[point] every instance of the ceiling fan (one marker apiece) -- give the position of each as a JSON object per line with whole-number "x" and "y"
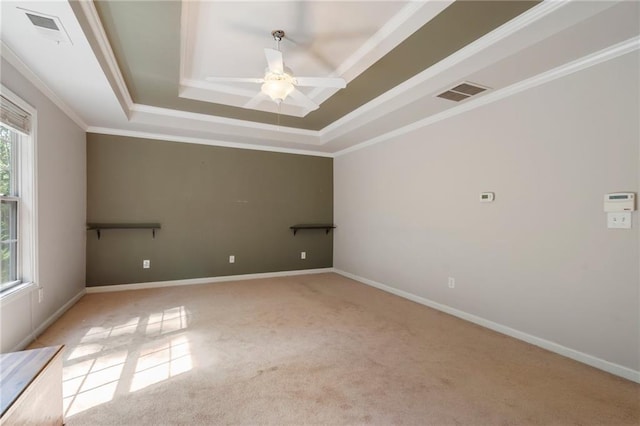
{"x": 279, "y": 83}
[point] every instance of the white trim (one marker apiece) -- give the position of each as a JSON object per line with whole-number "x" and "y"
{"x": 198, "y": 281}
{"x": 93, "y": 19}
{"x": 28, "y": 268}
{"x": 29, "y": 197}
{"x": 202, "y": 141}
{"x": 596, "y": 58}
{"x": 215, "y": 87}
{"x": 339, "y": 127}
{"x": 22, "y": 68}
{"x": 13, "y": 293}
{"x": 221, "y": 120}
{"x": 408, "y": 20}
{"x": 582, "y": 357}
{"x": 57, "y": 314}
{"x": 484, "y": 42}
{"x": 394, "y": 32}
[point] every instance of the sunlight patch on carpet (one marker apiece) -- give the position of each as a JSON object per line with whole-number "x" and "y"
{"x": 91, "y": 382}
{"x": 110, "y": 362}
{"x": 161, "y": 362}
{"x": 167, "y": 321}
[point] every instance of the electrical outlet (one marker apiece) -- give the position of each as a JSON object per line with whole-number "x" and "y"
{"x": 40, "y": 295}
{"x": 146, "y": 264}
{"x": 303, "y": 255}
{"x": 451, "y": 282}
{"x": 232, "y": 259}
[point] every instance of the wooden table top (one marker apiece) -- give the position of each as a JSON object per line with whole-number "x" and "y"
{"x": 19, "y": 369}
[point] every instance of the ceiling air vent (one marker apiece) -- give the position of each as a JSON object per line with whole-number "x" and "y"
{"x": 48, "y": 26}
{"x": 462, "y": 91}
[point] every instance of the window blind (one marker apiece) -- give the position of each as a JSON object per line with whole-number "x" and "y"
{"x": 14, "y": 116}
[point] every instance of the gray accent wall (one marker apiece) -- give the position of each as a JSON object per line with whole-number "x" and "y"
{"x": 212, "y": 202}
{"x": 539, "y": 259}
{"x": 61, "y": 212}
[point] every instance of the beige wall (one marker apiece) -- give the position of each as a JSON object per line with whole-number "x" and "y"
{"x": 539, "y": 259}
{"x": 212, "y": 202}
{"x": 61, "y": 187}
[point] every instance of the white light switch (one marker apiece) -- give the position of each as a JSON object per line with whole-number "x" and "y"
{"x": 620, "y": 220}
{"x": 232, "y": 259}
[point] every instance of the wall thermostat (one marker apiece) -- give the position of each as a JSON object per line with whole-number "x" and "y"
{"x": 620, "y": 202}
{"x": 486, "y": 197}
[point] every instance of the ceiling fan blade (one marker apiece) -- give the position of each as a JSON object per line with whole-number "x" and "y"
{"x": 303, "y": 100}
{"x": 274, "y": 59}
{"x": 234, "y": 80}
{"x": 336, "y": 82}
{"x": 253, "y": 102}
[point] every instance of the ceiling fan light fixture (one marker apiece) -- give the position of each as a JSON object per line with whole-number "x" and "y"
{"x": 278, "y": 88}
{"x": 278, "y": 82}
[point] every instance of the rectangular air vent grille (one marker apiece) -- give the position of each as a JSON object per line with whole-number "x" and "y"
{"x": 48, "y": 26}
{"x": 453, "y": 96}
{"x": 462, "y": 91}
{"x": 43, "y": 22}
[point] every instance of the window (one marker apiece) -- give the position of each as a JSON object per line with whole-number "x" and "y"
{"x": 17, "y": 192}
{"x": 9, "y": 207}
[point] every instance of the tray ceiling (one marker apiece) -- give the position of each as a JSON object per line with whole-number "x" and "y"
{"x": 139, "y": 68}
{"x": 228, "y": 38}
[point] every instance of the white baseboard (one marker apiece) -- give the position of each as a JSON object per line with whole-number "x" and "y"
{"x": 42, "y": 327}
{"x": 591, "y": 360}
{"x": 194, "y": 281}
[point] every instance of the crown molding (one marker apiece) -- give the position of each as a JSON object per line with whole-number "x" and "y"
{"x": 213, "y": 130}
{"x": 26, "y": 72}
{"x": 203, "y": 141}
{"x": 214, "y": 119}
{"x": 99, "y": 36}
{"x": 340, "y": 126}
{"x": 410, "y": 18}
{"x": 587, "y": 61}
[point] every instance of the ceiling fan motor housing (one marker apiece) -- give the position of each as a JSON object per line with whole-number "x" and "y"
{"x": 278, "y": 35}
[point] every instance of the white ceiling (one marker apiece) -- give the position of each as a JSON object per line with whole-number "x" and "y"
{"x": 551, "y": 39}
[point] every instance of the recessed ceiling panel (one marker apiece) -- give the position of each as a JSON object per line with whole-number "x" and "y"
{"x": 322, "y": 39}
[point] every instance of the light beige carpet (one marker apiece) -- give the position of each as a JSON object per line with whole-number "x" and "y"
{"x": 314, "y": 349}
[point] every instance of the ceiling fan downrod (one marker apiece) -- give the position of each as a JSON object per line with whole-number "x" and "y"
{"x": 278, "y": 35}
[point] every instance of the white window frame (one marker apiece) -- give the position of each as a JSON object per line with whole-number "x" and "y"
{"x": 27, "y": 262}
{"x": 14, "y": 197}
